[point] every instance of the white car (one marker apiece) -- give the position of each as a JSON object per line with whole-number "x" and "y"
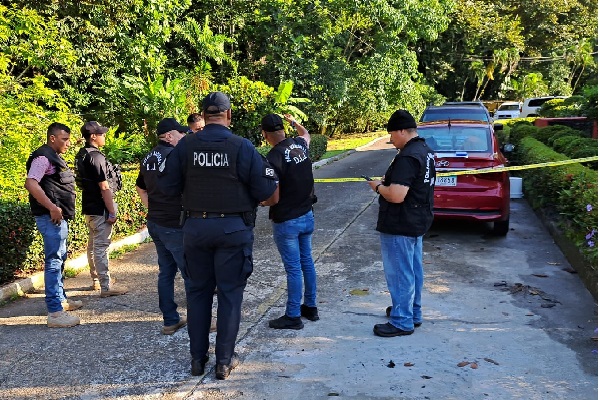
{"x": 531, "y": 106}
{"x": 508, "y": 110}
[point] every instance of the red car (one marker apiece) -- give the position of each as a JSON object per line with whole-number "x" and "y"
{"x": 468, "y": 145}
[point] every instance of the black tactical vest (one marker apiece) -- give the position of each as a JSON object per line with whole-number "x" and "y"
{"x": 212, "y": 182}
{"x": 414, "y": 216}
{"x": 59, "y": 187}
{"x": 163, "y": 209}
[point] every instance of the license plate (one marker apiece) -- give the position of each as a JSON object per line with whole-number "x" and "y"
{"x": 445, "y": 180}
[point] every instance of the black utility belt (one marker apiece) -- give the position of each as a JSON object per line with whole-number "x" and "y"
{"x": 205, "y": 214}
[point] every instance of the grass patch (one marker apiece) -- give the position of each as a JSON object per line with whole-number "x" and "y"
{"x": 343, "y": 143}
{"x": 117, "y": 254}
{"x": 70, "y": 272}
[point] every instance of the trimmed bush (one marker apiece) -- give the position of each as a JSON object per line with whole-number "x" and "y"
{"x": 560, "y": 145}
{"x": 318, "y": 147}
{"x": 571, "y": 190}
{"x": 548, "y": 134}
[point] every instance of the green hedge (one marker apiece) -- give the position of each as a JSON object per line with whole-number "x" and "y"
{"x": 571, "y": 190}
{"x": 24, "y": 252}
{"x": 318, "y": 147}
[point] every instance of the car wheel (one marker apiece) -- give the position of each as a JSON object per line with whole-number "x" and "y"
{"x": 501, "y": 227}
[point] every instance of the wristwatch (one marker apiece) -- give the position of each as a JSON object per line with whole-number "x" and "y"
{"x": 377, "y": 187}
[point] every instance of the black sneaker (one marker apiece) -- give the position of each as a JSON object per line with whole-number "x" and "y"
{"x": 222, "y": 371}
{"x": 310, "y": 313}
{"x": 388, "y": 311}
{"x": 198, "y": 366}
{"x": 389, "y": 330}
{"x": 285, "y": 322}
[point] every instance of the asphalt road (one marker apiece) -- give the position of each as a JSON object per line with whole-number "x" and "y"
{"x": 506, "y": 307}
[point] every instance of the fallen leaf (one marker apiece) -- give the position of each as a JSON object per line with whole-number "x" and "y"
{"x": 409, "y": 364}
{"x": 426, "y": 377}
{"x": 474, "y": 365}
{"x": 505, "y": 313}
{"x": 548, "y": 305}
{"x": 569, "y": 270}
{"x": 491, "y": 361}
{"x": 501, "y": 283}
{"x": 540, "y": 275}
{"x": 530, "y": 314}
{"x": 462, "y": 364}
{"x": 359, "y": 292}
{"x": 391, "y": 364}
{"x": 552, "y": 263}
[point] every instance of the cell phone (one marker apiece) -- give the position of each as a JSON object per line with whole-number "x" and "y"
{"x": 366, "y": 177}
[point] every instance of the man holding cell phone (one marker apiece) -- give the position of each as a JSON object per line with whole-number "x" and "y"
{"x": 405, "y": 214}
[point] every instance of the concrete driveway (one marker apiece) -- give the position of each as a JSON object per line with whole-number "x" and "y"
{"x": 503, "y": 319}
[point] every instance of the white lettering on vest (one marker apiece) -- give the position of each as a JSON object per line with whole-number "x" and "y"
{"x": 209, "y": 159}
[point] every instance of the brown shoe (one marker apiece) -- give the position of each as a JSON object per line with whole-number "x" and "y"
{"x": 114, "y": 290}
{"x": 223, "y": 371}
{"x": 171, "y": 329}
{"x": 96, "y": 284}
{"x": 71, "y": 305}
{"x": 62, "y": 319}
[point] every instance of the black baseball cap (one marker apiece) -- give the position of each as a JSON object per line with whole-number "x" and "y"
{"x": 215, "y": 103}
{"x": 93, "y": 127}
{"x": 271, "y": 123}
{"x": 168, "y": 125}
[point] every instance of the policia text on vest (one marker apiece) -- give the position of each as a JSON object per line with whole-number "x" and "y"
{"x": 210, "y": 159}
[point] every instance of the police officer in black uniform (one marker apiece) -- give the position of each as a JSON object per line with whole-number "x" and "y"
{"x": 164, "y": 221}
{"x": 222, "y": 178}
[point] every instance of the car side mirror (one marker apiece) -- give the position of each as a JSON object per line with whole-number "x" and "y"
{"x": 508, "y": 148}
{"x": 498, "y": 127}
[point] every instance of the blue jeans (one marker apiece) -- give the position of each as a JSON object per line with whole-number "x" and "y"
{"x": 169, "y": 248}
{"x": 403, "y": 268}
{"x": 55, "y": 255}
{"x": 294, "y": 242}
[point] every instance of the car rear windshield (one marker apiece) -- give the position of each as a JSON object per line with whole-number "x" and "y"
{"x": 452, "y": 113}
{"x": 509, "y": 107}
{"x": 457, "y": 139}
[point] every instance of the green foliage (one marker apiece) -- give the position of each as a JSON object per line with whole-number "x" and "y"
{"x": 17, "y": 226}
{"x": 569, "y": 107}
{"x": 250, "y": 101}
{"x": 571, "y": 189}
{"x": 318, "y": 147}
{"x": 590, "y": 106}
{"x": 154, "y": 99}
{"x": 126, "y": 148}
{"x": 548, "y": 134}
{"x": 28, "y": 43}
{"x": 560, "y": 145}
{"x": 520, "y": 131}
